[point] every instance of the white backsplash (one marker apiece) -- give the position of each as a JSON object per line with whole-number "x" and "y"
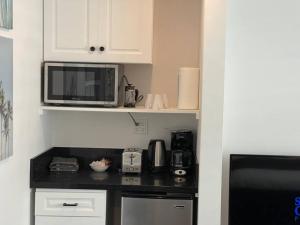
{"x": 114, "y": 130}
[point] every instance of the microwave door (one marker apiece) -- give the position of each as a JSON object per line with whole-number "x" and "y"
{"x": 78, "y": 84}
{"x": 70, "y": 85}
{"x": 105, "y": 85}
{"x": 110, "y": 84}
{"x": 81, "y": 84}
{"x": 90, "y": 88}
{"x": 85, "y": 80}
{"x": 100, "y": 87}
{"x": 54, "y": 84}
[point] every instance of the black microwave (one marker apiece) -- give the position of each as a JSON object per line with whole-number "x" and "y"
{"x": 81, "y": 84}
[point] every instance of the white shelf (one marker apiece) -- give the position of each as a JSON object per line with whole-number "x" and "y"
{"x": 121, "y": 110}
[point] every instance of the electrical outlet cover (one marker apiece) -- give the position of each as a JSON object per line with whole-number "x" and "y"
{"x": 142, "y": 128}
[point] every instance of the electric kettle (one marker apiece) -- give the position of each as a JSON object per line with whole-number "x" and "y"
{"x": 157, "y": 155}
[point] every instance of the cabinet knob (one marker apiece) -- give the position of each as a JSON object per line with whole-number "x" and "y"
{"x": 92, "y": 49}
{"x": 102, "y": 49}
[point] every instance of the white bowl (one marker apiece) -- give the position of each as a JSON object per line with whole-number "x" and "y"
{"x": 98, "y": 168}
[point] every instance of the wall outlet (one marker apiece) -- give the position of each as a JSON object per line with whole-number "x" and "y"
{"x": 142, "y": 128}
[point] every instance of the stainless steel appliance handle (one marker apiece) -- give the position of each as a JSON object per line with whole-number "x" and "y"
{"x": 179, "y": 206}
{"x": 158, "y": 195}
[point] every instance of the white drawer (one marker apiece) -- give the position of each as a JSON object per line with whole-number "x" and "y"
{"x": 53, "y": 220}
{"x": 73, "y": 203}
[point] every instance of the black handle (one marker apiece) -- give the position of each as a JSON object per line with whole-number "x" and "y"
{"x": 179, "y": 206}
{"x": 70, "y": 205}
{"x": 92, "y": 49}
{"x": 136, "y": 94}
{"x": 150, "y": 152}
{"x": 102, "y": 49}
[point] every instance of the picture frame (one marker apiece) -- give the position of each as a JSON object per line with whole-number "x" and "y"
{"x": 6, "y": 14}
{"x": 6, "y": 97}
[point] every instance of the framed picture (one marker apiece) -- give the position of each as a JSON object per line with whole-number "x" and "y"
{"x": 6, "y": 97}
{"x": 6, "y": 14}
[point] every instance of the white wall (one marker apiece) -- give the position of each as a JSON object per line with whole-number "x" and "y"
{"x": 210, "y": 145}
{"x": 176, "y": 44}
{"x": 29, "y": 137}
{"x": 114, "y": 130}
{"x": 262, "y": 80}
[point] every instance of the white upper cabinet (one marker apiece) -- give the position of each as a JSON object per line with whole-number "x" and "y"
{"x": 116, "y": 31}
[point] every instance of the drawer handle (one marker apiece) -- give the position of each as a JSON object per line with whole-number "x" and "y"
{"x": 70, "y": 205}
{"x": 179, "y": 206}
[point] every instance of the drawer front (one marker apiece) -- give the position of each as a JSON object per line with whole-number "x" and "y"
{"x": 52, "y": 220}
{"x": 74, "y": 203}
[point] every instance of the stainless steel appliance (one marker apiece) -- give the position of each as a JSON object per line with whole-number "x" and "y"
{"x": 157, "y": 155}
{"x": 151, "y": 209}
{"x": 132, "y": 160}
{"x": 182, "y": 155}
{"x": 81, "y": 84}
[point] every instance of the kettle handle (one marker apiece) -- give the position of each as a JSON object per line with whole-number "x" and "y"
{"x": 138, "y": 97}
{"x": 136, "y": 94}
{"x": 150, "y": 153}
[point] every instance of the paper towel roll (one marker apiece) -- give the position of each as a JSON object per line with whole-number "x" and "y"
{"x": 188, "y": 88}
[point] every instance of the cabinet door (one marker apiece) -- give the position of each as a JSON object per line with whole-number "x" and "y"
{"x": 70, "y": 29}
{"x": 129, "y": 29}
{"x": 119, "y": 30}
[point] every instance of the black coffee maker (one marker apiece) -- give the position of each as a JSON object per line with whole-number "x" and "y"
{"x": 182, "y": 156}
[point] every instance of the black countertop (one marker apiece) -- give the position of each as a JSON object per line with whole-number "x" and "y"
{"x": 85, "y": 178}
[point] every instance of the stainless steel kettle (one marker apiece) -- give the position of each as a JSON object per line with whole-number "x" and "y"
{"x": 157, "y": 155}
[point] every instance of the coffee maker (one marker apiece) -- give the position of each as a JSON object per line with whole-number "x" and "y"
{"x": 182, "y": 156}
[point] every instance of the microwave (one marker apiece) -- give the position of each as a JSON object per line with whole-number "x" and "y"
{"x": 81, "y": 84}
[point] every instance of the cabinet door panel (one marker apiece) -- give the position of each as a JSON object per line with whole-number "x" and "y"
{"x": 72, "y": 29}
{"x": 122, "y": 27}
{"x": 68, "y": 32}
{"x": 129, "y": 30}
{"x": 97, "y": 15}
{"x": 126, "y": 22}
